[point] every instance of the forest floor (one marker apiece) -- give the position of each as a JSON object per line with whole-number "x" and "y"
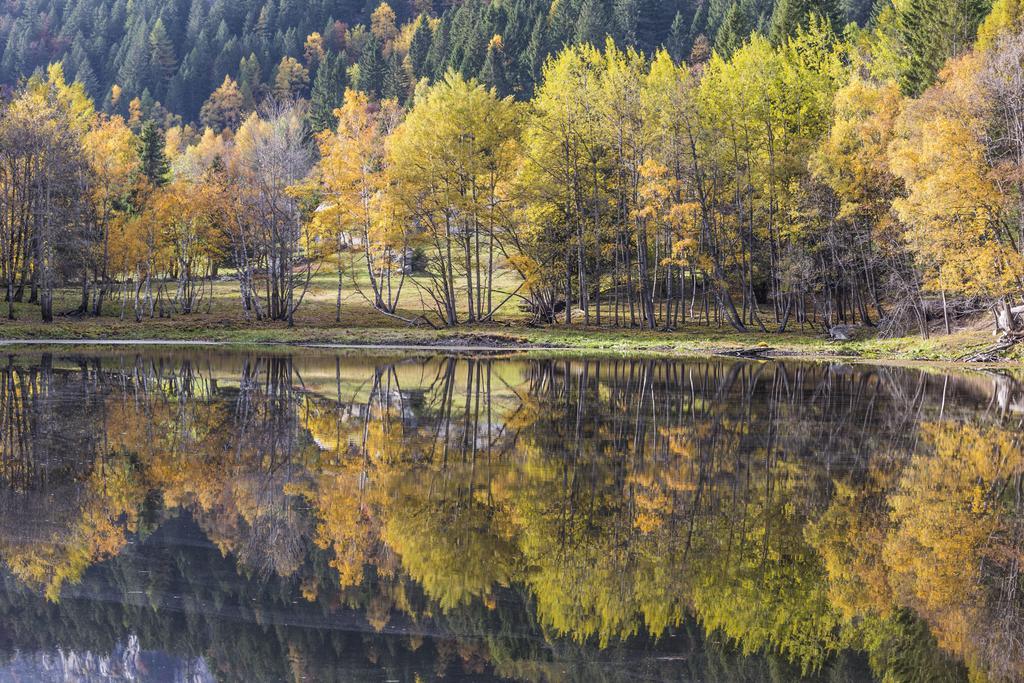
{"x": 362, "y": 326}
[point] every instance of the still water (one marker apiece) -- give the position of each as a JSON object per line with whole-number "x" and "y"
{"x": 204, "y": 515}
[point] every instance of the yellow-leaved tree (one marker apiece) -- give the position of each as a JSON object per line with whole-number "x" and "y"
{"x": 955, "y": 210}
{"x": 110, "y": 150}
{"x": 357, "y": 210}
{"x": 452, "y": 161}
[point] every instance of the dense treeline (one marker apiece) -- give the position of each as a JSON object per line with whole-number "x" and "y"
{"x": 172, "y": 55}
{"x": 802, "y": 177}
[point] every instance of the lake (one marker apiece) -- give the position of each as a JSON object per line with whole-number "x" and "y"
{"x": 200, "y": 514}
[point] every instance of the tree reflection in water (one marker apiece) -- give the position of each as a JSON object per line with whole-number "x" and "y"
{"x": 344, "y": 517}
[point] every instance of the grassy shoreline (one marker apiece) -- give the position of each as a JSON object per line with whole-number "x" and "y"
{"x": 221, "y": 322}
{"x": 689, "y": 341}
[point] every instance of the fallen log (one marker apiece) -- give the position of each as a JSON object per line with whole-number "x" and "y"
{"x": 755, "y": 352}
{"x": 993, "y": 354}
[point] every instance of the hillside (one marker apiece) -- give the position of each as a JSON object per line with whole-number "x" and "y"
{"x": 176, "y": 53}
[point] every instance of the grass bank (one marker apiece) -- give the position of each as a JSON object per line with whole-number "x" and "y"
{"x": 686, "y": 341}
{"x": 362, "y": 326}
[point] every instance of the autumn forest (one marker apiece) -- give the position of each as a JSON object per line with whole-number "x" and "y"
{"x": 795, "y": 165}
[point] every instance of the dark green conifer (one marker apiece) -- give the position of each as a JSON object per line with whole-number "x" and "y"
{"x": 419, "y": 48}
{"x": 493, "y": 73}
{"x": 154, "y": 163}
{"x": 594, "y": 23}
{"x": 790, "y": 15}
{"x": 395, "y": 85}
{"x": 328, "y": 93}
{"x": 371, "y": 68}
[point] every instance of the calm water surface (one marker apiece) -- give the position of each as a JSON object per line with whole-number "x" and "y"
{"x": 202, "y": 515}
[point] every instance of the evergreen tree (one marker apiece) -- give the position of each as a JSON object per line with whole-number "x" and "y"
{"x": 371, "y": 68}
{"x": 419, "y": 47}
{"x": 155, "y": 166}
{"x": 734, "y": 31}
{"x": 474, "y": 50}
{"x": 789, "y": 15}
{"x": 437, "y": 55}
{"x": 162, "y": 60}
{"x": 250, "y": 81}
{"x": 181, "y": 50}
{"x": 85, "y": 75}
{"x": 133, "y": 60}
{"x": 328, "y": 93}
{"x": 536, "y": 52}
{"x": 858, "y": 11}
{"x": 931, "y": 31}
{"x": 653, "y": 19}
{"x": 196, "y": 19}
{"x": 676, "y": 41}
{"x": 493, "y": 73}
{"x": 699, "y": 23}
{"x": 563, "y": 22}
{"x": 625, "y": 14}
{"x": 593, "y": 23}
{"x": 395, "y": 85}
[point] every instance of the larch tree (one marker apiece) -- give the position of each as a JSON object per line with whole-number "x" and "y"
{"x": 224, "y": 108}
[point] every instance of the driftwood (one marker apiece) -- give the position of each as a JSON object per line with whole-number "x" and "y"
{"x": 755, "y": 352}
{"x": 993, "y": 354}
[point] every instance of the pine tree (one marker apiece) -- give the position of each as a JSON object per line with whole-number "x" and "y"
{"x": 789, "y": 15}
{"x": 131, "y": 74}
{"x": 734, "y": 31}
{"x": 395, "y": 85}
{"x": 676, "y": 41}
{"x": 493, "y": 72}
{"x": 536, "y": 52}
{"x": 626, "y": 14}
{"x": 593, "y": 23}
{"x": 85, "y": 75}
{"x": 858, "y": 11}
{"x": 196, "y": 20}
{"x": 197, "y": 75}
{"x": 474, "y": 50}
{"x": 371, "y": 68}
{"x": 328, "y": 93}
{"x": 932, "y": 31}
{"x": 250, "y": 81}
{"x": 155, "y": 166}
{"x": 287, "y": 13}
{"x": 652, "y": 24}
{"x": 564, "y": 17}
{"x": 699, "y": 23}
{"x": 419, "y": 47}
{"x": 162, "y": 61}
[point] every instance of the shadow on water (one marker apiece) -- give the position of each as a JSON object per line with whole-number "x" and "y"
{"x": 198, "y": 515}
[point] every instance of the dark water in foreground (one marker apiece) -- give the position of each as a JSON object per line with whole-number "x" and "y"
{"x": 203, "y": 515}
